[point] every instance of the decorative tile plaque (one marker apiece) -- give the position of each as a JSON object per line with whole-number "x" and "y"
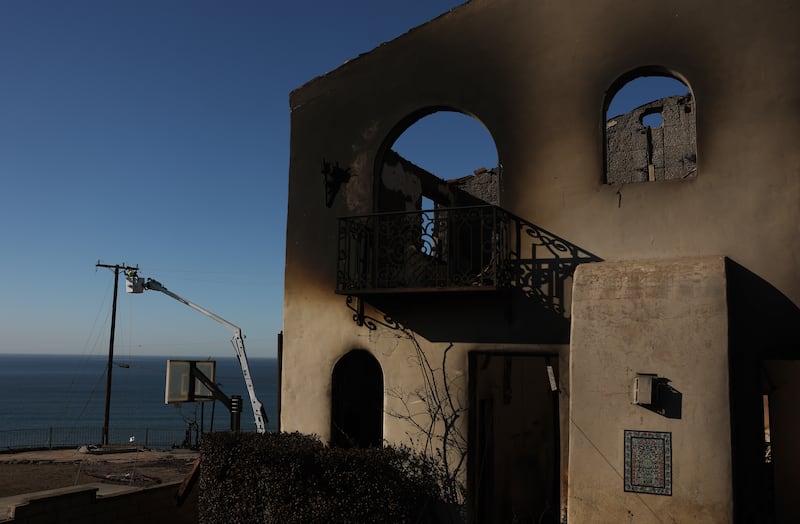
{"x": 648, "y": 462}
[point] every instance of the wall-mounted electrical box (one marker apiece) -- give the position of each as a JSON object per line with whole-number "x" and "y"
{"x": 643, "y": 388}
{"x": 656, "y": 394}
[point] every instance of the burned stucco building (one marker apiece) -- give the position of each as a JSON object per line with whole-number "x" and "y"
{"x": 619, "y": 326}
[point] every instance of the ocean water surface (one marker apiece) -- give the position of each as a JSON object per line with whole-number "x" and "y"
{"x": 68, "y": 391}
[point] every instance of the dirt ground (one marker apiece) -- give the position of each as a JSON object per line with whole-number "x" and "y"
{"x": 30, "y": 471}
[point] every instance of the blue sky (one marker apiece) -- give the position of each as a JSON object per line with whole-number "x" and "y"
{"x": 156, "y": 133}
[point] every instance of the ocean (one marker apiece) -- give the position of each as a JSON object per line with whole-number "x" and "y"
{"x": 68, "y": 391}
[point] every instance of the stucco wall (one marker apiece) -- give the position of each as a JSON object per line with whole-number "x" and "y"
{"x": 539, "y": 84}
{"x": 544, "y": 74}
{"x": 664, "y": 317}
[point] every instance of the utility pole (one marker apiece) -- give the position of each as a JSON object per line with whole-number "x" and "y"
{"x": 116, "y": 268}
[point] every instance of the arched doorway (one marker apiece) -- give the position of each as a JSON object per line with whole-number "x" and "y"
{"x": 357, "y": 401}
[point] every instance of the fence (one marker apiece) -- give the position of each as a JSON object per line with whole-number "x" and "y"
{"x": 60, "y": 438}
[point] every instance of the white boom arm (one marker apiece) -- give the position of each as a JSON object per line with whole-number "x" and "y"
{"x": 238, "y": 347}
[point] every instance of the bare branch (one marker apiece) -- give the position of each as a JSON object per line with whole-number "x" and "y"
{"x": 435, "y": 426}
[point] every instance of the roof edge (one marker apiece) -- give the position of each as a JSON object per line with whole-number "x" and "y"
{"x": 294, "y": 93}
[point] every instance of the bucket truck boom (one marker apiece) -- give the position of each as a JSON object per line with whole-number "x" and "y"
{"x": 136, "y": 284}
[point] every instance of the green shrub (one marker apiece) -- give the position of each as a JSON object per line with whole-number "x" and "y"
{"x": 291, "y": 478}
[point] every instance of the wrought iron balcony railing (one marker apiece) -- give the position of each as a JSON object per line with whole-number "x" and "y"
{"x": 475, "y": 248}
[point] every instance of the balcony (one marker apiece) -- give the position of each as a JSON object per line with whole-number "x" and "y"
{"x": 451, "y": 250}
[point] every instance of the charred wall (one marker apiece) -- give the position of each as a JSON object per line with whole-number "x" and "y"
{"x": 543, "y": 81}
{"x": 636, "y": 152}
{"x": 402, "y": 185}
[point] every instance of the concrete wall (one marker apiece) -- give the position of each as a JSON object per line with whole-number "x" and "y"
{"x": 639, "y": 153}
{"x": 484, "y": 184}
{"x": 404, "y": 184}
{"x": 664, "y": 317}
{"x": 101, "y": 504}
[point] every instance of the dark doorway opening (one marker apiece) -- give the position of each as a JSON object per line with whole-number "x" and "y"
{"x": 357, "y": 401}
{"x": 514, "y": 438}
{"x": 764, "y": 360}
{"x": 781, "y": 456}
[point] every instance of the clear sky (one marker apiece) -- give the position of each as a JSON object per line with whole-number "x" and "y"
{"x": 156, "y": 133}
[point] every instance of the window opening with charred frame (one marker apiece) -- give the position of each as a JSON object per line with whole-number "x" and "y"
{"x": 657, "y": 139}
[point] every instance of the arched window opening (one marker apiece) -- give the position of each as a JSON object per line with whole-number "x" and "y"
{"x": 444, "y": 159}
{"x": 650, "y": 131}
{"x": 357, "y": 401}
{"x": 439, "y": 179}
